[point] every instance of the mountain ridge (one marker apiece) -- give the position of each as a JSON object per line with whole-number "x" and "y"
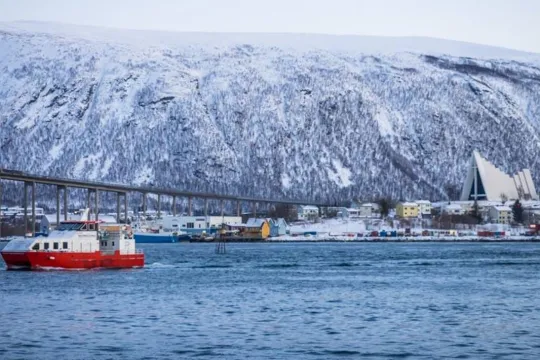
{"x": 262, "y": 121}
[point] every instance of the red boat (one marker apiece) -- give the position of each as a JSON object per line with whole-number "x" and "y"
{"x": 75, "y": 245}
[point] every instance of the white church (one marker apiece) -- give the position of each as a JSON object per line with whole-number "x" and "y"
{"x": 487, "y": 182}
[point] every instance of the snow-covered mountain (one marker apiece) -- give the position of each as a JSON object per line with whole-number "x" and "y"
{"x": 271, "y": 115}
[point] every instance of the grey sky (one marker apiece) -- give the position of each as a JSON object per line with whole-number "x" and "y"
{"x": 508, "y": 23}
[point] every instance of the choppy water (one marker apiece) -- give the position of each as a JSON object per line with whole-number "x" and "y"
{"x": 277, "y": 301}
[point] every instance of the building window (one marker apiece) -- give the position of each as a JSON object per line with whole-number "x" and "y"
{"x": 46, "y": 246}
{"x": 64, "y": 245}
{"x": 36, "y": 246}
{"x": 190, "y": 225}
{"x": 55, "y": 246}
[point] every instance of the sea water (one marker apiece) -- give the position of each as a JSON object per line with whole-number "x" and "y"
{"x": 279, "y": 301}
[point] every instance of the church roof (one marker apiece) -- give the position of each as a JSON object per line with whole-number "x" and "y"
{"x": 493, "y": 184}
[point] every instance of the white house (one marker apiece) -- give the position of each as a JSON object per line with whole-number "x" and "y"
{"x": 453, "y": 209}
{"x": 424, "y": 208}
{"x": 500, "y": 214}
{"x": 307, "y": 212}
{"x": 366, "y": 210}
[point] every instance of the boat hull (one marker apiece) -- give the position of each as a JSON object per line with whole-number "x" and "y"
{"x": 149, "y": 238}
{"x": 36, "y": 260}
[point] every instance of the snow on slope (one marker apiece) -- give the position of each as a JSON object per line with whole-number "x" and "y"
{"x": 298, "y": 116}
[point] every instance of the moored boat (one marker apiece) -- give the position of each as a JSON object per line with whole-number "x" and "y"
{"x": 164, "y": 237}
{"x": 75, "y": 245}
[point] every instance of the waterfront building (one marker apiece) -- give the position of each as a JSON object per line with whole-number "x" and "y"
{"x": 407, "y": 210}
{"x": 424, "y": 208}
{"x": 307, "y": 212}
{"x": 500, "y": 214}
{"x": 278, "y": 227}
{"x": 453, "y": 209}
{"x": 257, "y": 229}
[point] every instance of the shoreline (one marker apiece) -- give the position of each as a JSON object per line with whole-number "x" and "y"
{"x": 383, "y": 240}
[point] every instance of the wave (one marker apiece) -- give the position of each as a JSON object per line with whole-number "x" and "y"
{"x": 278, "y": 266}
{"x": 158, "y": 265}
{"x": 211, "y": 266}
{"x": 344, "y": 264}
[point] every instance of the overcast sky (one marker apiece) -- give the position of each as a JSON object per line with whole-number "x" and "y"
{"x": 508, "y": 23}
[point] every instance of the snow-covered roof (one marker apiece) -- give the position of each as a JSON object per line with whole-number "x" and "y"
{"x": 453, "y": 207}
{"x": 309, "y": 207}
{"x": 252, "y": 222}
{"x": 424, "y": 202}
{"x": 502, "y": 208}
{"x": 409, "y": 204}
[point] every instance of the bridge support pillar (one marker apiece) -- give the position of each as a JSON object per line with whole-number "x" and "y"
{"x": 174, "y": 205}
{"x": 96, "y": 203}
{"x": 58, "y": 189}
{"x": 205, "y": 207}
{"x": 144, "y": 204}
{"x": 125, "y": 208}
{"x": 255, "y": 209}
{"x": 190, "y": 203}
{"x": 33, "y": 185}
{"x": 222, "y": 209}
{"x": 159, "y": 206}
{"x": 65, "y": 203}
{"x": 118, "y": 208}
{"x": 1, "y": 193}
{"x": 88, "y": 206}
{"x": 25, "y": 208}
{"x": 237, "y": 207}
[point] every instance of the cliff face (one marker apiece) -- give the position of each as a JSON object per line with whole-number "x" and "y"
{"x": 261, "y": 120}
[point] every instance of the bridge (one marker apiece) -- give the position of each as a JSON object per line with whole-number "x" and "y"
{"x": 94, "y": 188}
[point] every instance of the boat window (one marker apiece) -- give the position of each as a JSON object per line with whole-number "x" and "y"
{"x": 112, "y": 243}
{"x": 55, "y": 246}
{"x": 105, "y": 243}
{"x": 36, "y": 246}
{"x": 64, "y": 245}
{"x": 46, "y": 246}
{"x": 70, "y": 226}
{"x": 91, "y": 227}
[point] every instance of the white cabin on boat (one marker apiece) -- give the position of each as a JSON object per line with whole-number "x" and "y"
{"x": 81, "y": 237}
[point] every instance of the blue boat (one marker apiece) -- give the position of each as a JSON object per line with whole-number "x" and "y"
{"x": 160, "y": 238}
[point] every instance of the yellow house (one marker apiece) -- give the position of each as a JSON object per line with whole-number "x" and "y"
{"x": 407, "y": 210}
{"x": 257, "y": 229}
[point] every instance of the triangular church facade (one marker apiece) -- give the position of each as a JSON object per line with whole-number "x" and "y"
{"x": 485, "y": 181}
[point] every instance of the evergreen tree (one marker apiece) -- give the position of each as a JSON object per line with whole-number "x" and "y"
{"x": 475, "y": 213}
{"x": 517, "y": 210}
{"x": 384, "y": 205}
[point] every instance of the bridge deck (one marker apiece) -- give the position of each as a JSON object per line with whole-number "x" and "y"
{"x": 15, "y": 175}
